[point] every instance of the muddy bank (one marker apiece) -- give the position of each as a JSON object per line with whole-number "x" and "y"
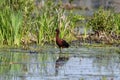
{"x": 97, "y": 38}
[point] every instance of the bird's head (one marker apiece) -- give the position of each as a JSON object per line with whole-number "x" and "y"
{"x": 57, "y": 30}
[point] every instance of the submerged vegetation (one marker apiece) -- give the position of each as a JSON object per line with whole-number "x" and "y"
{"x": 26, "y": 21}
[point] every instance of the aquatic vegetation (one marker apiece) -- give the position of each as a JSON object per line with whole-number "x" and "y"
{"x": 23, "y": 22}
{"x": 52, "y": 17}
{"x": 10, "y": 27}
{"x": 102, "y": 20}
{"x": 16, "y": 20}
{"x": 105, "y": 23}
{"x": 11, "y": 22}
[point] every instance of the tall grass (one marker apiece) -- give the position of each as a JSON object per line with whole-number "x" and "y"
{"x": 22, "y": 22}
{"x": 16, "y": 20}
{"x": 50, "y": 17}
{"x": 117, "y": 23}
{"x": 10, "y": 24}
{"x": 104, "y": 20}
{"x": 21, "y": 18}
{"x": 107, "y": 24}
{"x": 5, "y": 28}
{"x": 11, "y": 21}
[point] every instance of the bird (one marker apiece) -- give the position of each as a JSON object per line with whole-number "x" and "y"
{"x": 60, "y": 42}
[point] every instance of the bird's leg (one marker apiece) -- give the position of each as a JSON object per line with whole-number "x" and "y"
{"x": 60, "y": 50}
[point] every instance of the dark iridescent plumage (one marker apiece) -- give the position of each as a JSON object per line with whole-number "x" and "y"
{"x": 60, "y": 42}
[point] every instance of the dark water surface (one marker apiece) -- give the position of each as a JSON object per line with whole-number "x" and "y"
{"x": 73, "y": 64}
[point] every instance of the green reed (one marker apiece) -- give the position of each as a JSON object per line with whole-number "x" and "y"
{"x": 16, "y": 20}
{"x": 45, "y": 23}
{"x": 117, "y": 23}
{"x": 22, "y": 21}
{"x": 5, "y": 26}
{"x": 12, "y": 22}
{"x": 50, "y": 17}
{"x": 104, "y": 20}
{"x": 10, "y": 27}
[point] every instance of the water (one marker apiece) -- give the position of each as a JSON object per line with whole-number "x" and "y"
{"x": 72, "y": 64}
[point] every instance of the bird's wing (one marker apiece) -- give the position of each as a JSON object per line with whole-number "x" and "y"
{"x": 65, "y": 43}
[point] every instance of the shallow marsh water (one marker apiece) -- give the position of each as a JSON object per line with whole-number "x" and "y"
{"x": 82, "y": 63}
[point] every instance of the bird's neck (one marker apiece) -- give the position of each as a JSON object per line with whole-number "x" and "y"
{"x": 57, "y": 35}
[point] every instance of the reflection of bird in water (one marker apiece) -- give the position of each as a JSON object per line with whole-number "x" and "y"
{"x": 60, "y": 62}
{"x": 60, "y": 42}
{"x": 111, "y": 78}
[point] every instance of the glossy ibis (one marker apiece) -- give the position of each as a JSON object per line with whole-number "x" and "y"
{"x": 60, "y": 42}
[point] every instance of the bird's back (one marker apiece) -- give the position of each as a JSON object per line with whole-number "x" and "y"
{"x": 65, "y": 44}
